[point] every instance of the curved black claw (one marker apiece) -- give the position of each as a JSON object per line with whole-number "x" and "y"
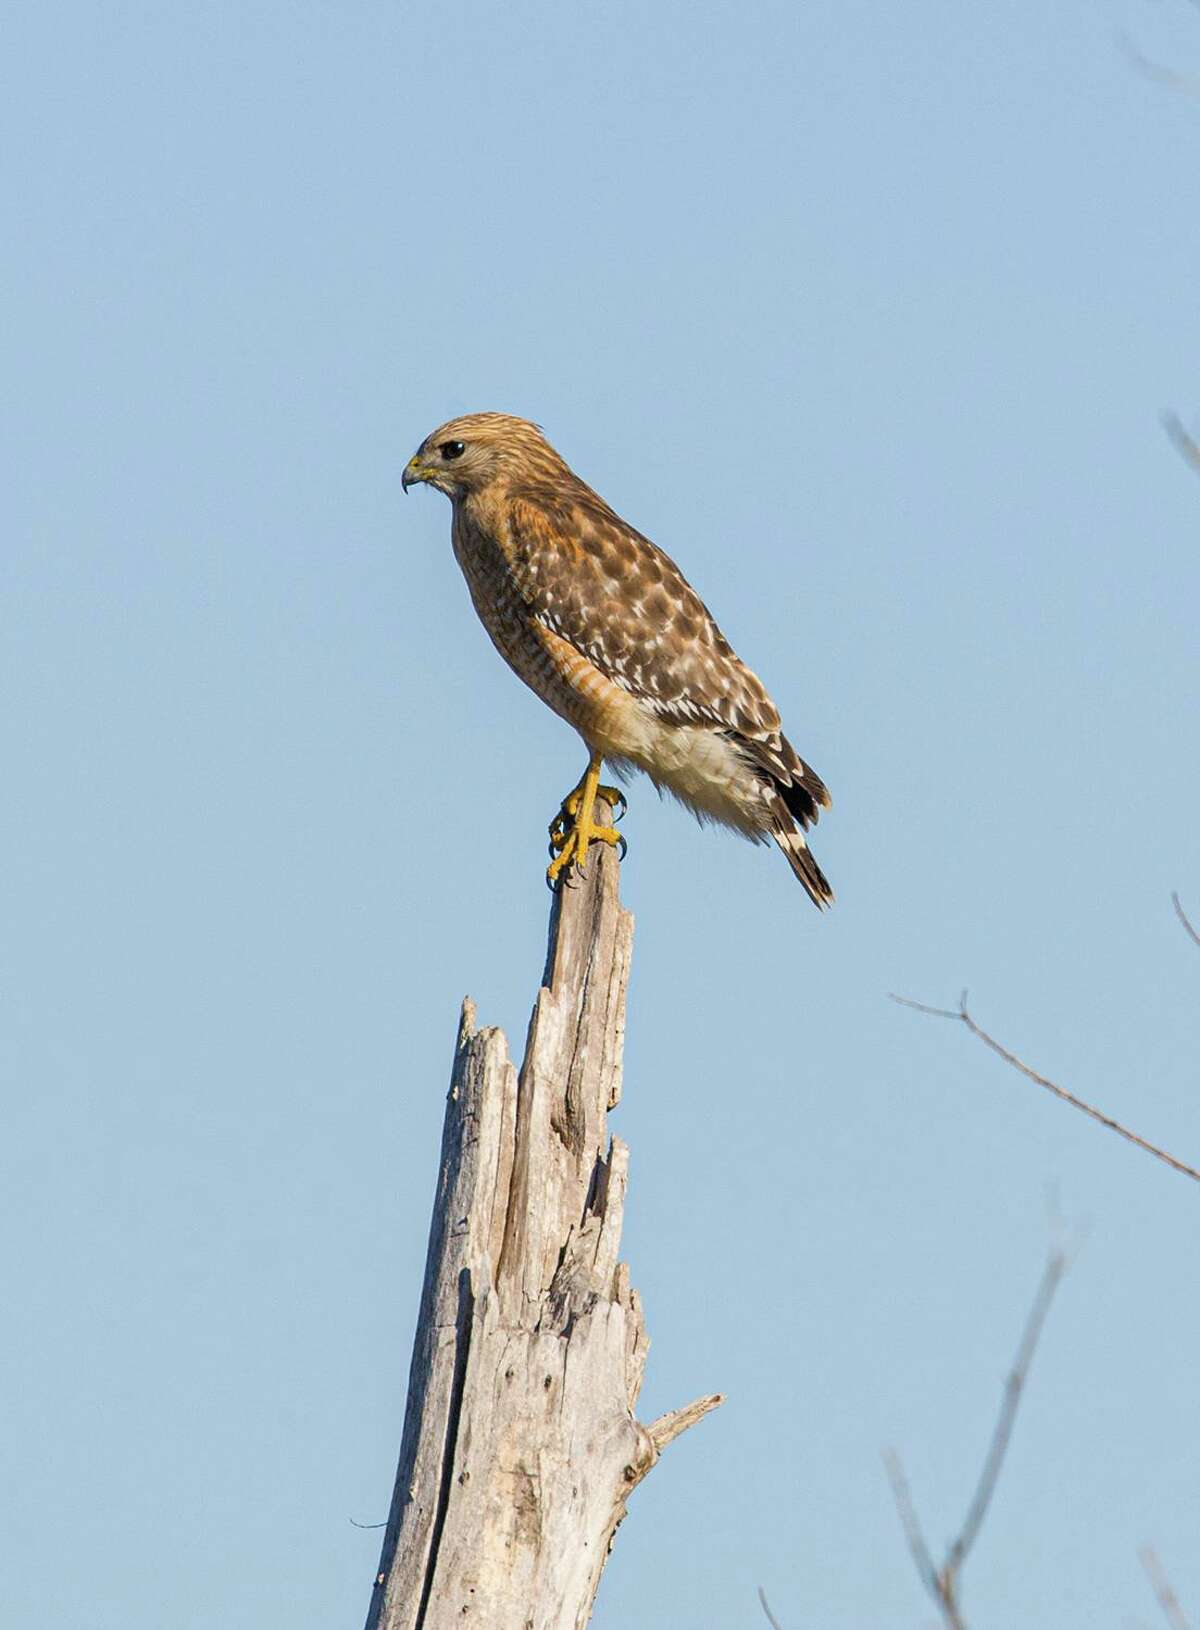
{"x": 621, "y": 808}
{"x": 564, "y": 878}
{"x": 622, "y": 848}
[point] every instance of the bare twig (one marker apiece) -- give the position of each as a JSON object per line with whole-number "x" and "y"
{"x": 1185, "y": 84}
{"x": 1161, "y": 1585}
{"x": 1183, "y": 917}
{"x": 943, "y": 1583}
{"x": 1184, "y": 442}
{"x": 766, "y": 1607}
{"x": 964, "y": 1017}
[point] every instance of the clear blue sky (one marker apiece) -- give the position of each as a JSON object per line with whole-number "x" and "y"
{"x": 865, "y": 313}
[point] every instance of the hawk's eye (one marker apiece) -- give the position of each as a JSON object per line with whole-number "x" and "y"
{"x": 452, "y": 449}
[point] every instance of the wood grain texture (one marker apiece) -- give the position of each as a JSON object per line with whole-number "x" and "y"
{"x": 520, "y": 1444}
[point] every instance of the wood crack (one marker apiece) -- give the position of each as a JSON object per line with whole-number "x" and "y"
{"x": 461, "y": 1358}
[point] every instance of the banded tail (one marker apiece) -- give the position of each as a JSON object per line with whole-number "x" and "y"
{"x": 803, "y": 862}
{"x": 799, "y": 802}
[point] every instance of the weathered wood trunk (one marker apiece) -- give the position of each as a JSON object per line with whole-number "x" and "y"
{"x": 520, "y": 1443}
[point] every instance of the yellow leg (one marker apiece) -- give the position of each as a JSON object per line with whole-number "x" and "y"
{"x": 573, "y": 829}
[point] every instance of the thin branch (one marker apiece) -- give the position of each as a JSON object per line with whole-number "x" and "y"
{"x": 942, "y": 1583}
{"x": 1056, "y": 1266}
{"x": 964, "y": 1017}
{"x": 1183, "y": 917}
{"x": 911, "y": 1524}
{"x": 766, "y": 1607}
{"x": 1161, "y": 1585}
{"x": 1184, "y": 442}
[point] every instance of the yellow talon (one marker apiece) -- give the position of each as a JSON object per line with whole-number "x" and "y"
{"x": 572, "y": 830}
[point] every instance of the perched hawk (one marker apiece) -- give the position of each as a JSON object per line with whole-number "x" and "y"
{"x": 602, "y": 625}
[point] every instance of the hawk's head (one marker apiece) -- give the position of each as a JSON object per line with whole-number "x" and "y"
{"x": 466, "y": 455}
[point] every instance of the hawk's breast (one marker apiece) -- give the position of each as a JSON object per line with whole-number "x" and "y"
{"x": 565, "y": 679}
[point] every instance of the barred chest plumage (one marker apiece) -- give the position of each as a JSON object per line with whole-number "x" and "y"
{"x": 500, "y": 587}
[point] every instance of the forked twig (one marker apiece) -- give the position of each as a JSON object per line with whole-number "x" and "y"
{"x": 963, "y": 1016}
{"x": 943, "y": 1583}
{"x": 1161, "y": 1585}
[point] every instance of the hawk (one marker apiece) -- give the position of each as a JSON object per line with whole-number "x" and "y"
{"x": 604, "y": 627}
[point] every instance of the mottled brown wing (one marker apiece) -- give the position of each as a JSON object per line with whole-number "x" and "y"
{"x": 618, "y": 599}
{"x": 623, "y": 603}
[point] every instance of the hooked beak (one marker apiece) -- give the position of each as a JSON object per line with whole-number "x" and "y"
{"x": 414, "y": 473}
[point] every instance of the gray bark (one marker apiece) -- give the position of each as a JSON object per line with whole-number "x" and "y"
{"x": 520, "y": 1444}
